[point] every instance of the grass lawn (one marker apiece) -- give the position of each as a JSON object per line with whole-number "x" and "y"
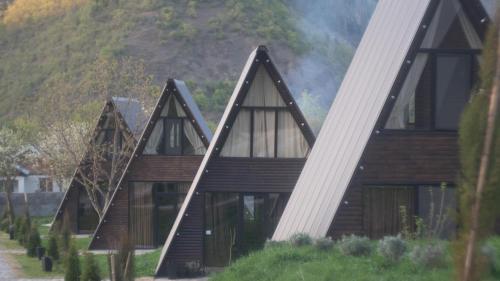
{"x": 285, "y": 262}
{"x": 6, "y": 244}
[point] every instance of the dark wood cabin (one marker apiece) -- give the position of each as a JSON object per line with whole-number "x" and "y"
{"x": 76, "y": 209}
{"x": 157, "y": 178}
{"x": 244, "y": 181}
{"x": 410, "y": 159}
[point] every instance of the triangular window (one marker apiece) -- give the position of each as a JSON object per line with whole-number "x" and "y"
{"x": 441, "y": 77}
{"x": 264, "y": 127}
{"x": 174, "y": 133}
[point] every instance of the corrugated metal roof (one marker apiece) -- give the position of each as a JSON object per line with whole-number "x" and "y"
{"x": 133, "y": 114}
{"x": 352, "y": 118}
{"x": 188, "y": 99}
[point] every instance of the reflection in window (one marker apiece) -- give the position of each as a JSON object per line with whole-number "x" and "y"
{"x": 453, "y": 84}
{"x": 87, "y": 216}
{"x": 174, "y": 134}
{"x": 153, "y": 208}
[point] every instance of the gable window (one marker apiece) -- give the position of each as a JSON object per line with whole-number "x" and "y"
{"x": 439, "y": 82}
{"x": 174, "y": 134}
{"x": 264, "y": 127}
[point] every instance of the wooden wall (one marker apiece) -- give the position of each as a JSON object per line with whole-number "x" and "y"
{"x": 144, "y": 168}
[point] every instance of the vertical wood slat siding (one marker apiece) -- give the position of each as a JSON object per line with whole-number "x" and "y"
{"x": 144, "y": 168}
{"x": 397, "y": 158}
{"x": 70, "y": 208}
{"x": 376, "y": 66}
{"x": 252, "y": 174}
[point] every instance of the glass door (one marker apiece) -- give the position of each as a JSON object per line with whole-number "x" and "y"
{"x": 169, "y": 198}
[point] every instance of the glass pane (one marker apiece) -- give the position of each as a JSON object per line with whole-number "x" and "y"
{"x": 173, "y": 108}
{"x": 238, "y": 142}
{"x": 263, "y": 91}
{"x": 141, "y": 214}
{"x": 155, "y": 139}
{"x": 453, "y": 86}
{"x": 451, "y": 28}
{"x": 437, "y": 207}
{"x": 254, "y": 222}
{"x": 173, "y": 136}
{"x": 87, "y": 216}
{"x": 169, "y": 199}
{"x": 276, "y": 206}
{"x": 291, "y": 141}
{"x": 404, "y": 111}
{"x": 192, "y": 143}
{"x": 221, "y": 220}
{"x": 264, "y": 133}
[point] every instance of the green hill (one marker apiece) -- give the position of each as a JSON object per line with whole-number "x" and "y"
{"x": 205, "y": 42}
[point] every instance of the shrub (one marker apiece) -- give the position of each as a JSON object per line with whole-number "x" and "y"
{"x": 355, "y": 246}
{"x": 22, "y": 230}
{"x": 34, "y": 241}
{"x": 52, "y": 249}
{"x": 91, "y": 270}
{"x": 72, "y": 265}
{"x": 392, "y": 248}
{"x": 428, "y": 256}
{"x": 300, "y": 239}
{"x": 271, "y": 243}
{"x": 324, "y": 244}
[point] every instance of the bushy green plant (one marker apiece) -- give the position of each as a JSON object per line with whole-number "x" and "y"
{"x": 91, "y": 271}
{"x": 271, "y": 243}
{"x": 429, "y": 255}
{"x": 52, "y": 248}
{"x": 392, "y": 248}
{"x": 22, "y": 230}
{"x": 324, "y": 244}
{"x": 300, "y": 239}
{"x": 72, "y": 265}
{"x": 353, "y": 245}
{"x": 34, "y": 241}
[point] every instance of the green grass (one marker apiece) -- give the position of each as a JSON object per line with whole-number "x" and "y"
{"x": 31, "y": 267}
{"x": 290, "y": 263}
{"x": 7, "y": 244}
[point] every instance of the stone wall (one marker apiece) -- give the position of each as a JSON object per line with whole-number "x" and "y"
{"x": 40, "y": 203}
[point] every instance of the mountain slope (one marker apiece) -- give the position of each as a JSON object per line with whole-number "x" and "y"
{"x": 203, "y": 41}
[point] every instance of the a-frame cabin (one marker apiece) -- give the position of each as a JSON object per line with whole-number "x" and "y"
{"x": 246, "y": 177}
{"x": 76, "y": 209}
{"x": 157, "y": 178}
{"x": 390, "y": 139}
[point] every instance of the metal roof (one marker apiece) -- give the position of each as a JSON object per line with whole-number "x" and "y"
{"x": 132, "y": 112}
{"x": 188, "y": 99}
{"x": 351, "y": 120}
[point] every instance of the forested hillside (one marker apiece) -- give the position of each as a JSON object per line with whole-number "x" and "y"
{"x": 58, "y": 45}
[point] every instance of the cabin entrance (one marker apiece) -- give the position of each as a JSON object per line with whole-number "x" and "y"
{"x": 238, "y": 223}
{"x": 87, "y": 218}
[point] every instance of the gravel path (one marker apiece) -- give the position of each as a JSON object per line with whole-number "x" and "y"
{"x": 6, "y": 269}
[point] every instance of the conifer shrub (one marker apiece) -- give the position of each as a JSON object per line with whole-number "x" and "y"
{"x": 72, "y": 265}
{"x": 392, "y": 248}
{"x": 52, "y": 248}
{"x": 91, "y": 271}
{"x": 324, "y": 244}
{"x": 431, "y": 255}
{"x": 300, "y": 239}
{"x": 34, "y": 241}
{"x": 353, "y": 245}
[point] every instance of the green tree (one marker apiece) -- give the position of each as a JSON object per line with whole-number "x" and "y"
{"x": 91, "y": 271}
{"x": 34, "y": 241}
{"x": 52, "y": 248}
{"x": 472, "y": 132}
{"x": 72, "y": 265}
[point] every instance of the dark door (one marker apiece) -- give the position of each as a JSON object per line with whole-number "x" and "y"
{"x": 87, "y": 219}
{"x": 386, "y": 208}
{"x": 169, "y": 200}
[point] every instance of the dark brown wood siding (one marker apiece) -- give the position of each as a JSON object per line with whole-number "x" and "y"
{"x": 397, "y": 157}
{"x": 229, "y": 175}
{"x": 144, "y": 168}
{"x": 69, "y": 209}
{"x": 164, "y": 168}
{"x": 251, "y": 175}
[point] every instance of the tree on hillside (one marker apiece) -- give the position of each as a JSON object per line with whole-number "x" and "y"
{"x": 11, "y": 154}
{"x": 67, "y": 116}
{"x": 480, "y": 161}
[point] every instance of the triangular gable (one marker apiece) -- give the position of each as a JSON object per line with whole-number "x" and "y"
{"x": 365, "y": 98}
{"x": 176, "y": 92}
{"x": 258, "y": 66}
{"x": 121, "y": 105}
